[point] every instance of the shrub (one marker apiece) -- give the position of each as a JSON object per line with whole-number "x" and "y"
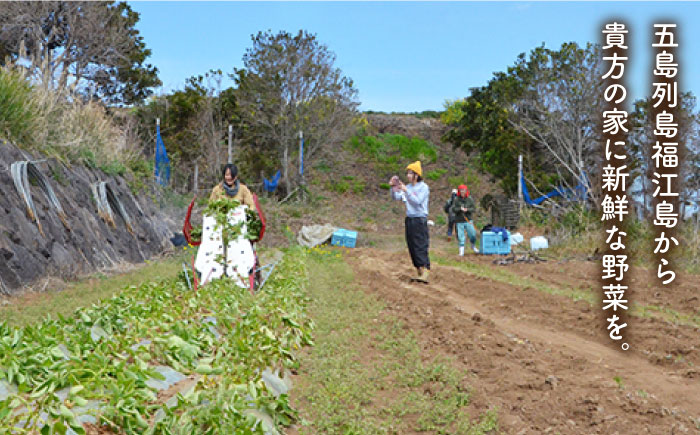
{"x": 322, "y": 167}
{"x": 348, "y": 183}
{"x": 358, "y": 187}
{"x": 339, "y": 186}
{"x": 436, "y": 174}
{"x": 114, "y": 168}
{"x": 414, "y": 148}
{"x": 388, "y": 148}
{"x": 455, "y": 181}
{"x": 473, "y": 180}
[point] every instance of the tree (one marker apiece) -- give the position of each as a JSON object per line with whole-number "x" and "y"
{"x": 193, "y": 125}
{"x": 479, "y": 125}
{"x": 92, "y": 46}
{"x": 641, "y": 140}
{"x": 544, "y": 106}
{"x": 289, "y": 84}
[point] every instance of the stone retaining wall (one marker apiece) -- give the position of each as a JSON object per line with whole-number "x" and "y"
{"x": 87, "y": 243}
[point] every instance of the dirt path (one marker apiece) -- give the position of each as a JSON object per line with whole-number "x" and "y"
{"x": 543, "y": 359}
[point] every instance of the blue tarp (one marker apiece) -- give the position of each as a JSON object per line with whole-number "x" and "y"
{"x": 271, "y": 185}
{"x": 162, "y": 161}
{"x": 502, "y": 231}
{"x": 577, "y": 193}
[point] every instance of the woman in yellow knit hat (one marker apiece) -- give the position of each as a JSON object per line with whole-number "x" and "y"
{"x": 415, "y": 195}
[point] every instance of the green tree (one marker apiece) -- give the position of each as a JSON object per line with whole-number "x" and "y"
{"x": 289, "y": 84}
{"x": 544, "y": 106}
{"x": 479, "y": 125}
{"x": 92, "y": 46}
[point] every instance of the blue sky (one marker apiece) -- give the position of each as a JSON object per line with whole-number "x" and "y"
{"x": 410, "y": 56}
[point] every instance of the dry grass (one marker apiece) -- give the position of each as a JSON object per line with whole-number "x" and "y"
{"x": 581, "y": 236}
{"x": 59, "y": 123}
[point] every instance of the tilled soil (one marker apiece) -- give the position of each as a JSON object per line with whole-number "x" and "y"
{"x": 545, "y": 361}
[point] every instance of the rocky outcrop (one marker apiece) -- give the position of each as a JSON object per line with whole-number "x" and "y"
{"x": 82, "y": 241}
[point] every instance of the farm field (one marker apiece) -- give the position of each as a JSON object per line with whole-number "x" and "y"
{"x": 483, "y": 348}
{"x": 530, "y": 342}
{"x": 212, "y": 216}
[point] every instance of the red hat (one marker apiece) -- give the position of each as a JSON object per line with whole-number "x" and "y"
{"x": 462, "y": 187}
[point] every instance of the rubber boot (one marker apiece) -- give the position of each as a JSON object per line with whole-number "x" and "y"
{"x": 461, "y": 251}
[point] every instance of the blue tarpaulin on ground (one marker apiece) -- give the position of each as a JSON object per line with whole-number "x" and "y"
{"x": 271, "y": 185}
{"x": 162, "y": 161}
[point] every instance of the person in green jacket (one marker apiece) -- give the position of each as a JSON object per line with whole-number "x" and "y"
{"x": 463, "y": 208}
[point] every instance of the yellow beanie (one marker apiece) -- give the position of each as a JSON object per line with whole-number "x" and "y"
{"x": 415, "y": 167}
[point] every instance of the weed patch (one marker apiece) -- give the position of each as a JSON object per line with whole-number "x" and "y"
{"x": 390, "y": 151}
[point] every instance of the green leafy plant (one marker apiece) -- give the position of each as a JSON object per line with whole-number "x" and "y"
{"x": 114, "y": 167}
{"x": 358, "y": 187}
{"x": 618, "y": 381}
{"x": 390, "y": 151}
{"x": 436, "y": 174}
{"x": 104, "y": 355}
{"x": 339, "y": 186}
{"x": 196, "y": 233}
{"x": 455, "y": 181}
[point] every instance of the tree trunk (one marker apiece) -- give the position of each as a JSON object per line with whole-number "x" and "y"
{"x": 645, "y": 210}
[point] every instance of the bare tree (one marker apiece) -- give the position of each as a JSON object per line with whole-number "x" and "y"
{"x": 642, "y": 139}
{"x": 92, "y": 46}
{"x": 558, "y": 110}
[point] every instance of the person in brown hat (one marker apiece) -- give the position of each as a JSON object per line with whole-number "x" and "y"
{"x": 415, "y": 195}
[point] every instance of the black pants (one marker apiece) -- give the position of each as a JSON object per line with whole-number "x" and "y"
{"x": 418, "y": 240}
{"x": 450, "y": 227}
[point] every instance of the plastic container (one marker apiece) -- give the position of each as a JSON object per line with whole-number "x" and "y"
{"x": 350, "y": 239}
{"x": 516, "y": 238}
{"x": 493, "y": 243}
{"x": 343, "y": 237}
{"x": 338, "y": 237}
{"x": 538, "y": 242}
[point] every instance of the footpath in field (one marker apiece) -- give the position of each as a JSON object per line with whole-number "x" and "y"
{"x": 529, "y": 342}
{"x": 367, "y": 374}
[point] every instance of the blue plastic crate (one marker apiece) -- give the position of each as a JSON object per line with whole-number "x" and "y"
{"x": 493, "y": 243}
{"x": 504, "y": 245}
{"x": 350, "y": 239}
{"x": 338, "y": 238}
{"x": 343, "y": 237}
